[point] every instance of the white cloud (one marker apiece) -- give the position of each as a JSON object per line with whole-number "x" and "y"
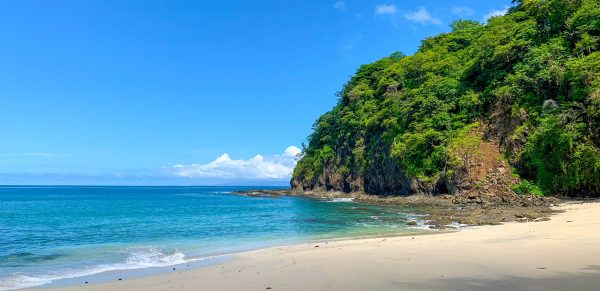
{"x": 494, "y": 13}
{"x": 385, "y": 9}
{"x": 421, "y": 16}
{"x": 462, "y": 11}
{"x": 258, "y": 167}
{"x": 292, "y": 151}
{"x": 339, "y": 5}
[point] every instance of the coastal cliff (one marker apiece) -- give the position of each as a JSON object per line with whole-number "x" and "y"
{"x": 508, "y": 106}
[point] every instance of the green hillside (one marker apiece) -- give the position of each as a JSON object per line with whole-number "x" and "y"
{"x": 528, "y": 80}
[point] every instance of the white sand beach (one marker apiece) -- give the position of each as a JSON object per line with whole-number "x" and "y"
{"x": 560, "y": 254}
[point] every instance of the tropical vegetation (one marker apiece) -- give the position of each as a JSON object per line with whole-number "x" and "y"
{"x": 529, "y": 78}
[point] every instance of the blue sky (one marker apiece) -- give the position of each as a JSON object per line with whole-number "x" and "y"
{"x": 186, "y": 92}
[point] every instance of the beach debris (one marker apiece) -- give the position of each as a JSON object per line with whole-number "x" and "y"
{"x": 316, "y": 246}
{"x": 268, "y": 288}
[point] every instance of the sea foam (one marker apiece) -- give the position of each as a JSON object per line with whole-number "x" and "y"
{"x": 138, "y": 258}
{"x": 344, "y": 199}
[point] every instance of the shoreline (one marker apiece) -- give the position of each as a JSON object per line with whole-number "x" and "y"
{"x": 145, "y": 257}
{"x": 195, "y": 262}
{"x": 560, "y": 253}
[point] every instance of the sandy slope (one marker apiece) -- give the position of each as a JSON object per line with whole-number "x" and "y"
{"x": 560, "y": 254}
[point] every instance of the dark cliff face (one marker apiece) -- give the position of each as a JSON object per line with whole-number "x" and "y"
{"x": 383, "y": 178}
{"x": 387, "y": 177}
{"x": 382, "y": 175}
{"x": 527, "y": 82}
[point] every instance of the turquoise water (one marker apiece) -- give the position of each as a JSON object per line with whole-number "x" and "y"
{"x": 50, "y": 233}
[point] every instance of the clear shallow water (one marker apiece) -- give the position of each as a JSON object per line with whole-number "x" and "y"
{"x": 50, "y": 233}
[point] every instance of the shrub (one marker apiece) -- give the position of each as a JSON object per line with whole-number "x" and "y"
{"x": 527, "y": 188}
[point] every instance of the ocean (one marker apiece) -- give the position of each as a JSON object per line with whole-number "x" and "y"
{"x": 49, "y": 233}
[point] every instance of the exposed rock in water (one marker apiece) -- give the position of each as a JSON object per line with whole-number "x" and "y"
{"x": 263, "y": 193}
{"x": 443, "y": 210}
